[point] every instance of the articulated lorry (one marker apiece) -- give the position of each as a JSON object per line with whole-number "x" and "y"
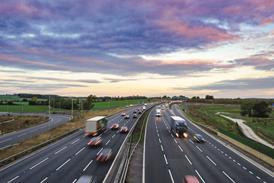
{"x": 95, "y": 126}
{"x": 178, "y": 126}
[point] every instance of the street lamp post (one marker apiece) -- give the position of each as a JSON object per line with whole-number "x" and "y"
{"x": 72, "y": 108}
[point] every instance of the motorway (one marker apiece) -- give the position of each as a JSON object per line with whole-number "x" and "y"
{"x": 169, "y": 159}
{"x": 69, "y": 158}
{"x": 18, "y": 136}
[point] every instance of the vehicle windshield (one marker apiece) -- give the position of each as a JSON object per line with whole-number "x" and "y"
{"x": 180, "y": 124}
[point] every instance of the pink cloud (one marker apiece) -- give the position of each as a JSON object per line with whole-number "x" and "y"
{"x": 22, "y": 8}
{"x": 193, "y": 32}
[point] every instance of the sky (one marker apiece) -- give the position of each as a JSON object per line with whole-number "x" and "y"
{"x": 137, "y": 47}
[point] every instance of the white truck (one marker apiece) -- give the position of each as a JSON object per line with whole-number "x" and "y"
{"x": 158, "y": 113}
{"x": 178, "y": 126}
{"x": 95, "y": 125}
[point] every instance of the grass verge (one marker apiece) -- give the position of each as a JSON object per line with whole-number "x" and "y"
{"x": 206, "y": 115}
{"x": 15, "y": 123}
{"x": 139, "y": 130}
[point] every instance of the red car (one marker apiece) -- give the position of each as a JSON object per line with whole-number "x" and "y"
{"x": 124, "y": 129}
{"x": 115, "y": 126}
{"x": 190, "y": 179}
{"x": 104, "y": 155}
{"x": 95, "y": 141}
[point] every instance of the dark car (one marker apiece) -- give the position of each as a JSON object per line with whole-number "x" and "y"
{"x": 199, "y": 138}
{"x": 135, "y": 111}
{"x": 124, "y": 129}
{"x": 140, "y": 111}
{"x": 190, "y": 179}
{"x": 95, "y": 141}
{"x": 134, "y": 115}
{"x": 104, "y": 155}
{"x": 115, "y": 126}
{"x": 126, "y": 116}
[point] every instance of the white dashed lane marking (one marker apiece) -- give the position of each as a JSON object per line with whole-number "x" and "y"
{"x": 38, "y": 163}
{"x": 13, "y": 179}
{"x": 188, "y": 160}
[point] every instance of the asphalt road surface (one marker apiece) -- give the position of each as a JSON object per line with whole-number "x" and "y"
{"x": 169, "y": 159}
{"x": 69, "y": 158}
{"x": 12, "y": 138}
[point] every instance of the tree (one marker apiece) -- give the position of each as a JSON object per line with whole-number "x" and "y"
{"x": 261, "y": 109}
{"x": 89, "y": 102}
{"x": 246, "y": 108}
{"x": 209, "y": 97}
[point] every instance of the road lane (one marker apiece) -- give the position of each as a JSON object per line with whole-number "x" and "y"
{"x": 67, "y": 158}
{"x": 169, "y": 158}
{"x": 12, "y": 138}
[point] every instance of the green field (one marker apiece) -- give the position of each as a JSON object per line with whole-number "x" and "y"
{"x": 206, "y": 114}
{"x": 10, "y": 98}
{"x": 118, "y": 103}
{"x": 28, "y": 108}
{"x": 24, "y": 107}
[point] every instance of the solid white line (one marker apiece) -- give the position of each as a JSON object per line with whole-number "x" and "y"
{"x": 107, "y": 142}
{"x": 99, "y": 151}
{"x": 44, "y": 180}
{"x": 5, "y": 140}
{"x": 200, "y": 176}
{"x": 257, "y": 165}
{"x": 38, "y": 163}
{"x": 211, "y": 160}
{"x": 80, "y": 151}
{"x": 144, "y": 151}
{"x": 180, "y": 148}
{"x": 199, "y": 149}
{"x": 188, "y": 160}
{"x": 62, "y": 165}
{"x": 165, "y": 159}
{"x": 21, "y": 135}
{"x": 87, "y": 165}
{"x": 171, "y": 177}
{"x": 74, "y": 180}
{"x": 162, "y": 148}
{"x": 228, "y": 177}
{"x": 75, "y": 141}
{"x": 13, "y": 179}
{"x": 60, "y": 150}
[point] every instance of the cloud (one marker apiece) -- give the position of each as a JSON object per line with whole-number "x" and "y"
{"x": 240, "y": 84}
{"x": 263, "y": 61}
{"x": 61, "y": 79}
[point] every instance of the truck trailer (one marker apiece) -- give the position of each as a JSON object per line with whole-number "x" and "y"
{"x": 95, "y": 126}
{"x": 178, "y": 126}
{"x": 158, "y": 113}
